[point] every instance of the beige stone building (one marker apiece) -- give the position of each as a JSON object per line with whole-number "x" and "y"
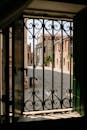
{"x": 62, "y": 50}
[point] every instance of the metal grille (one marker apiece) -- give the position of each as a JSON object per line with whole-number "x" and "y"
{"x": 50, "y": 64}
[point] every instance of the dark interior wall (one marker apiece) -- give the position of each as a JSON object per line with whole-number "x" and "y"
{"x": 10, "y": 10}
{"x": 80, "y": 57}
{"x": 72, "y": 1}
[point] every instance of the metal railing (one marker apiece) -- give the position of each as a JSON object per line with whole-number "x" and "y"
{"x": 50, "y": 64}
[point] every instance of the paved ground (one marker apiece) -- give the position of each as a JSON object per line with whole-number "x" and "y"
{"x": 45, "y": 93}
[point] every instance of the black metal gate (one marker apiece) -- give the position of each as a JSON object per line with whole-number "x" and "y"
{"x": 50, "y": 64}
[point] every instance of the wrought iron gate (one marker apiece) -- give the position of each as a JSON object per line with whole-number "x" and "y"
{"x": 50, "y": 64}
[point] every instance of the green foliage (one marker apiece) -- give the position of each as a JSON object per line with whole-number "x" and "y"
{"x": 47, "y": 59}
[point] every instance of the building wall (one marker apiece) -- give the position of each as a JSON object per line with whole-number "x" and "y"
{"x": 48, "y": 49}
{"x": 25, "y": 56}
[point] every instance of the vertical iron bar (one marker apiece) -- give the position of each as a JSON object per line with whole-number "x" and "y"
{"x": 61, "y": 64}
{"x": 6, "y": 36}
{"x": 13, "y": 67}
{"x": 7, "y": 74}
{"x": 1, "y": 90}
{"x": 33, "y": 65}
{"x": 70, "y": 63}
{"x": 43, "y": 25}
{"x": 23, "y": 65}
{"x": 53, "y": 63}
